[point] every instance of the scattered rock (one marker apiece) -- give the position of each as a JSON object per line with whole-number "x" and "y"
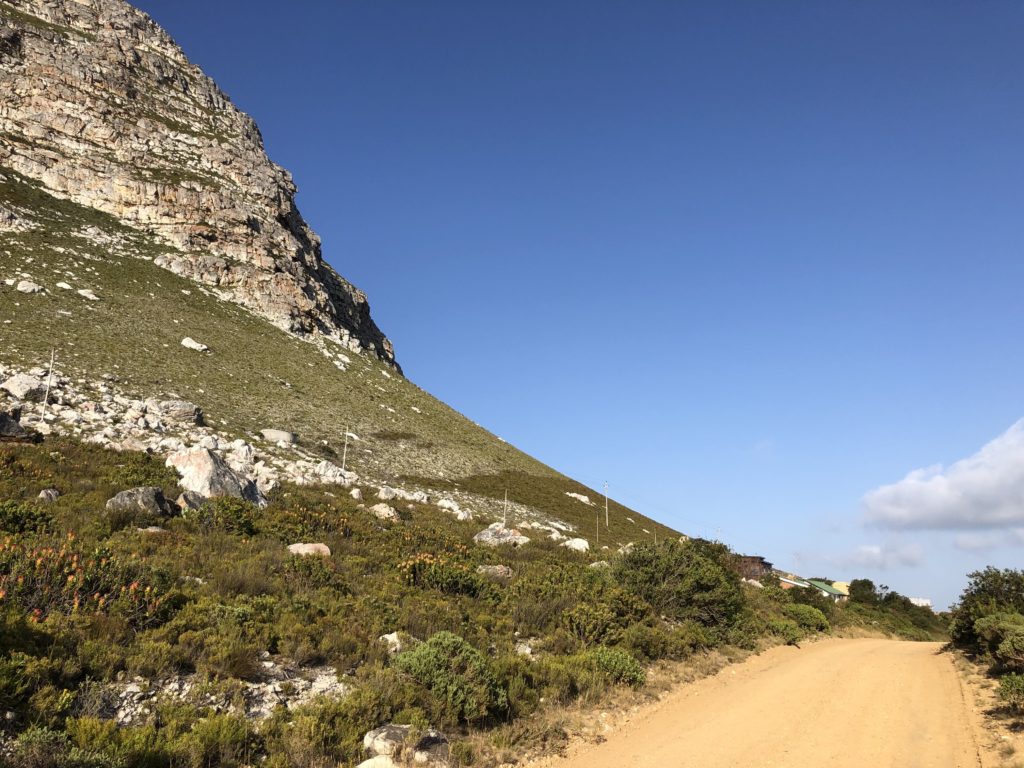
{"x": 453, "y": 506}
{"x": 384, "y": 512}
{"x": 152, "y": 529}
{"x": 25, "y": 387}
{"x": 497, "y": 534}
{"x": 27, "y": 286}
{"x": 176, "y": 411}
{"x": 387, "y": 739}
{"x": 496, "y": 572}
{"x": 11, "y": 430}
{"x": 576, "y": 545}
{"x": 393, "y": 641}
{"x": 85, "y": 293}
{"x": 379, "y": 761}
{"x": 189, "y": 343}
{"x": 580, "y": 497}
{"x": 431, "y": 749}
{"x": 49, "y": 495}
{"x": 189, "y": 501}
{"x": 302, "y": 549}
{"x": 356, "y": 494}
{"x": 143, "y": 500}
{"x": 207, "y": 474}
{"x": 384, "y": 493}
{"x": 600, "y": 565}
{"x": 523, "y": 648}
{"x": 277, "y": 436}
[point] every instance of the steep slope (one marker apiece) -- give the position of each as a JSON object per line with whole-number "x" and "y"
{"x": 124, "y": 172}
{"x": 104, "y": 109}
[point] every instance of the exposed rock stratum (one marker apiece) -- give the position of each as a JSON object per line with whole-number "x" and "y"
{"x": 101, "y": 107}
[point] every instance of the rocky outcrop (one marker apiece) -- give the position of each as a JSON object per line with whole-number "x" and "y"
{"x": 101, "y": 107}
{"x": 497, "y": 535}
{"x": 206, "y": 473}
{"x": 146, "y": 500}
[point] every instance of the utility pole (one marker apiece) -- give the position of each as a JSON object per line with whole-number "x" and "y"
{"x": 504, "y": 511}
{"x": 49, "y": 380}
{"x": 605, "y": 503}
{"x": 344, "y": 453}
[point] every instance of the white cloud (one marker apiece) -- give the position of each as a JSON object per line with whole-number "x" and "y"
{"x": 983, "y": 542}
{"x": 983, "y": 491}
{"x": 882, "y": 556}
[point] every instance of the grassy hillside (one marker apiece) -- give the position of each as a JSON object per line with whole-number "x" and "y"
{"x": 255, "y": 376}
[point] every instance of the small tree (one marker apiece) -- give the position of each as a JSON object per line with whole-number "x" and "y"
{"x": 863, "y": 591}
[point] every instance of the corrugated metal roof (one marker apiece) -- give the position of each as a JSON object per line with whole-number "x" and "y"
{"x": 824, "y": 586}
{"x": 842, "y": 586}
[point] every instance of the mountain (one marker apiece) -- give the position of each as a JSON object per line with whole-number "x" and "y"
{"x": 142, "y": 207}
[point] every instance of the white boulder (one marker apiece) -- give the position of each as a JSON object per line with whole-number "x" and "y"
{"x": 321, "y": 550}
{"x": 576, "y": 545}
{"x": 497, "y": 534}
{"x": 207, "y": 474}
{"x": 189, "y": 343}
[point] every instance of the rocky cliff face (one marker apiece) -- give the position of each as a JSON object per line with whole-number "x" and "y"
{"x": 100, "y": 106}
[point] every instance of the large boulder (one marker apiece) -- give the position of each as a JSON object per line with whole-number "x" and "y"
{"x": 576, "y": 545}
{"x": 139, "y": 502}
{"x": 495, "y": 572}
{"x": 12, "y": 431}
{"x": 391, "y": 742}
{"x": 384, "y": 512}
{"x": 206, "y": 473}
{"x": 303, "y": 549}
{"x": 277, "y": 436}
{"x": 386, "y": 740}
{"x": 25, "y": 387}
{"x": 497, "y": 534}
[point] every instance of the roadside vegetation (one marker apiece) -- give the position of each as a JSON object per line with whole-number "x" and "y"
{"x": 91, "y": 602}
{"x": 988, "y": 624}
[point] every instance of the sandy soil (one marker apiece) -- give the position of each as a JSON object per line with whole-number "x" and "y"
{"x": 833, "y": 704}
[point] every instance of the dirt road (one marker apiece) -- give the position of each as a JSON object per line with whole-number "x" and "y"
{"x": 832, "y": 704}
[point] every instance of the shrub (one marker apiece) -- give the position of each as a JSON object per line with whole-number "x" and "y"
{"x": 22, "y": 518}
{"x": 47, "y": 580}
{"x": 989, "y": 591}
{"x": 135, "y": 469}
{"x": 787, "y": 630}
{"x": 592, "y": 624}
{"x": 440, "y": 573}
{"x": 228, "y": 514}
{"x": 807, "y": 617}
{"x": 683, "y": 580}
{"x": 618, "y": 666}
{"x": 456, "y": 674}
{"x": 1011, "y": 690}
{"x": 1001, "y": 636}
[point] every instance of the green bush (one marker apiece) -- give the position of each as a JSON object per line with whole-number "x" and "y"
{"x": 457, "y": 675}
{"x": 16, "y": 517}
{"x": 1001, "y": 637}
{"x": 807, "y": 617}
{"x": 990, "y": 591}
{"x": 228, "y": 514}
{"x": 592, "y": 624}
{"x": 683, "y": 580}
{"x": 1011, "y": 690}
{"x": 441, "y": 573}
{"x": 786, "y": 630}
{"x": 618, "y": 666}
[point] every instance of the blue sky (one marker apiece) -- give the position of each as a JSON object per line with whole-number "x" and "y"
{"x": 748, "y": 262}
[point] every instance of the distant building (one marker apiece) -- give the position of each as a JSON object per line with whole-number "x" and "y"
{"x": 752, "y": 566}
{"x": 921, "y": 602}
{"x": 827, "y": 590}
{"x": 790, "y": 581}
{"x": 842, "y": 586}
